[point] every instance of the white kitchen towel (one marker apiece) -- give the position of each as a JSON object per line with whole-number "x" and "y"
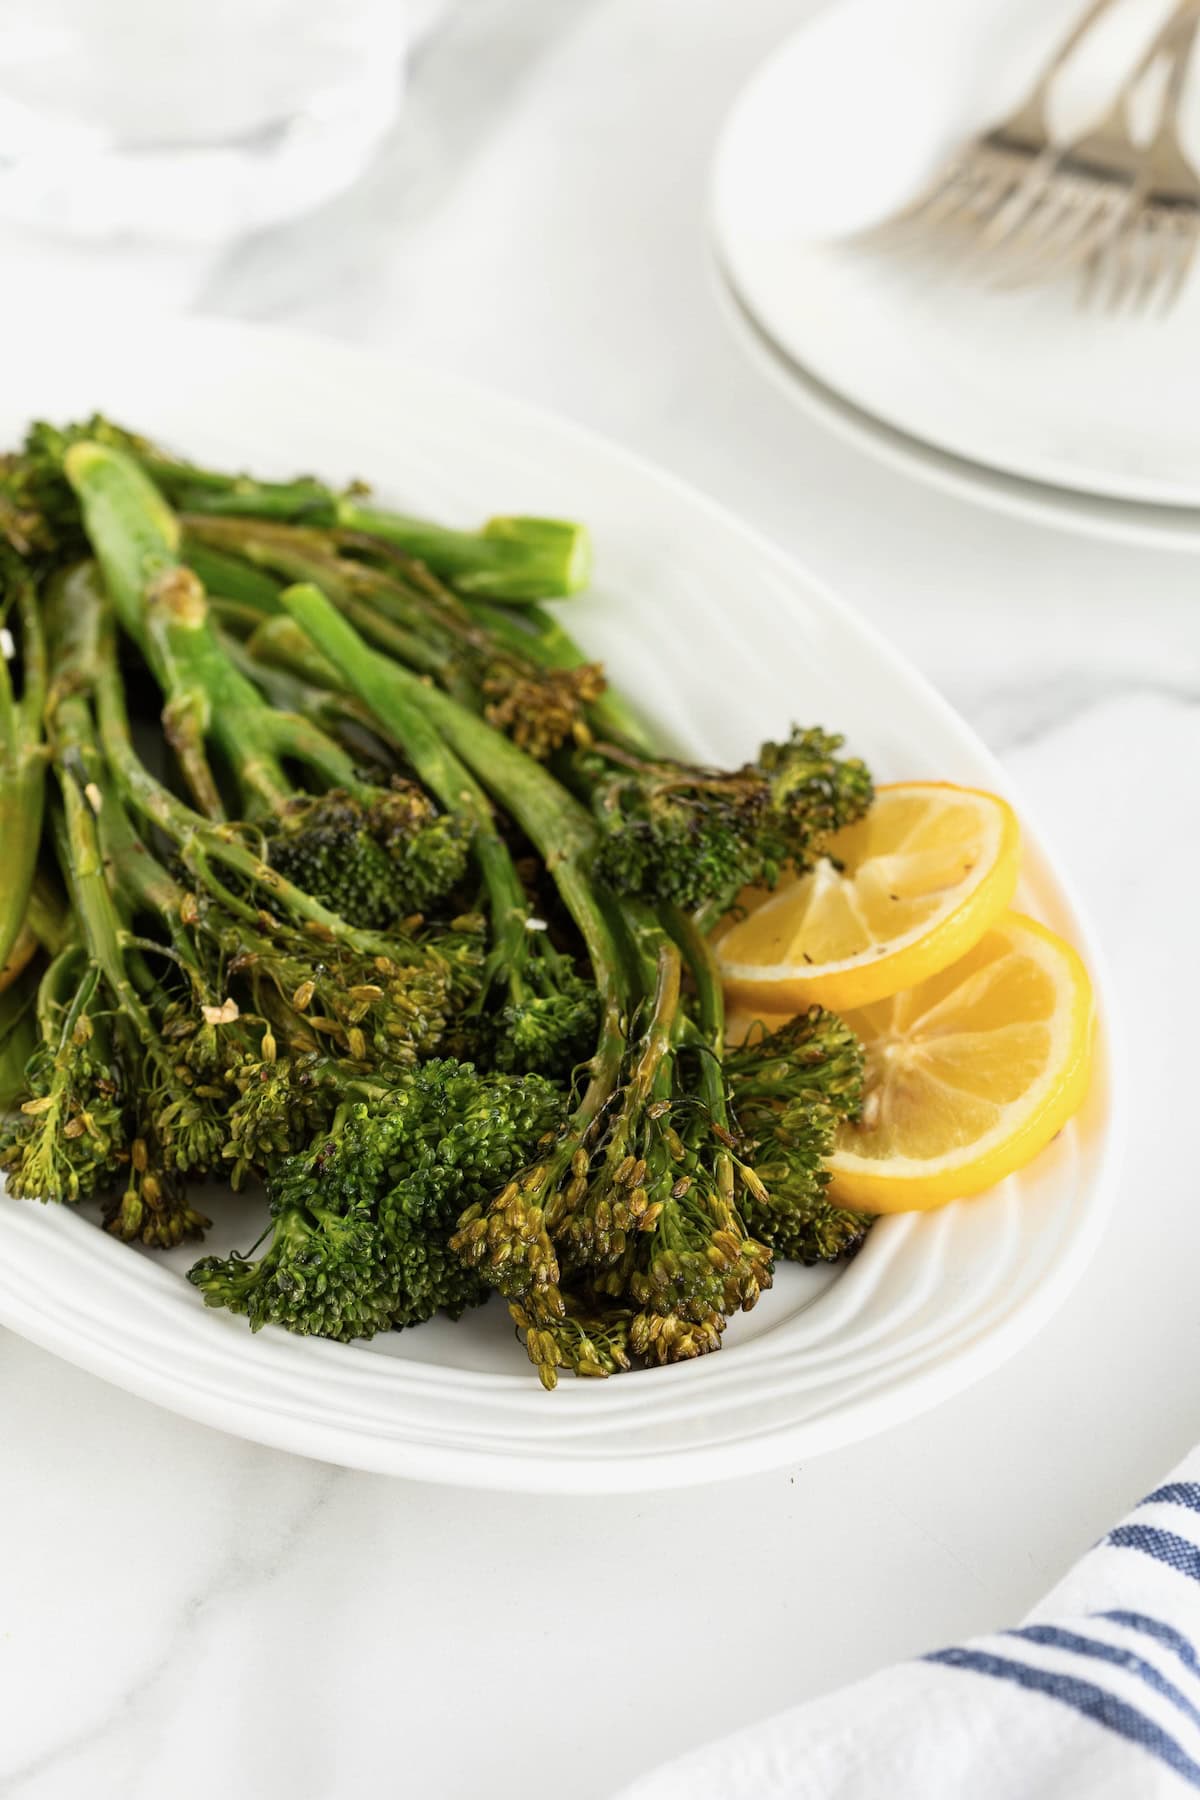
{"x": 1095, "y": 1696}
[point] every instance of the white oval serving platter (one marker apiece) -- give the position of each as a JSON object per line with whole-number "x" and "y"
{"x": 721, "y": 640}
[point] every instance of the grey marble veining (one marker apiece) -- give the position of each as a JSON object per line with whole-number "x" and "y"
{"x": 183, "y": 1614}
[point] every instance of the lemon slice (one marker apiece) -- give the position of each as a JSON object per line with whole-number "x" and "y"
{"x": 900, "y": 894}
{"x": 969, "y": 1074}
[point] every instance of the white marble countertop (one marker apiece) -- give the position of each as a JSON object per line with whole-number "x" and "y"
{"x": 183, "y": 1614}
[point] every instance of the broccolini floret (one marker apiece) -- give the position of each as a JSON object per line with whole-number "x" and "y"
{"x": 695, "y": 837}
{"x": 361, "y": 1221}
{"x": 789, "y": 1089}
{"x": 67, "y": 1138}
{"x": 375, "y": 864}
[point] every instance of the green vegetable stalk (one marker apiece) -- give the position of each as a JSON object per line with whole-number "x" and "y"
{"x": 375, "y": 855}
{"x": 508, "y": 558}
{"x": 23, "y": 759}
{"x": 539, "y": 701}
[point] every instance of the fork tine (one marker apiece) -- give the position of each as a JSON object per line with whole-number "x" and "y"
{"x": 915, "y": 216}
{"x": 1019, "y": 206}
{"x": 1174, "y": 254}
{"x": 1014, "y": 212}
{"x": 1014, "y": 209}
{"x": 1024, "y": 132}
{"x": 954, "y": 212}
{"x": 1089, "y": 277}
{"x": 1126, "y": 253}
{"x": 1157, "y": 255}
{"x": 1097, "y": 269}
{"x": 1021, "y": 214}
{"x": 988, "y": 197}
{"x": 1107, "y": 216}
{"x": 1067, "y": 233}
{"x": 972, "y": 197}
{"x": 1141, "y": 275}
{"x": 1187, "y": 240}
{"x": 1058, "y": 218}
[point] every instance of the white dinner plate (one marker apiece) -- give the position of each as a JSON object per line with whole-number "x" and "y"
{"x": 721, "y": 640}
{"x": 1018, "y": 396}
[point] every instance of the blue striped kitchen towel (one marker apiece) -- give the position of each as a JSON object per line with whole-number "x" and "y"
{"x": 1096, "y": 1695}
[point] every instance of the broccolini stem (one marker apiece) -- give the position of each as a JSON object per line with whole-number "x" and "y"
{"x": 18, "y": 1036}
{"x": 649, "y": 1077}
{"x": 200, "y": 842}
{"x": 388, "y": 635}
{"x": 47, "y": 926}
{"x": 387, "y": 613}
{"x": 234, "y": 619}
{"x": 231, "y": 577}
{"x": 136, "y": 538}
{"x": 702, "y": 964}
{"x": 555, "y": 823}
{"x": 20, "y": 956}
{"x": 163, "y": 606}
{"x": 281, "y": 644}
{"x": 288, "y": 691}
{"x": 86, "y": 816}
{"x": 84, "y": 871}
{"x": 48, "y": 915}
{"x": 507, "y": 559}
{"x": 557, "y": 826}
{"x": 371, "y": 679}
{"x": 23, "y": 763}
{"x": 400, "y": 608}
{"x": 535, "y": 633}
{"x": 710, "y": 998}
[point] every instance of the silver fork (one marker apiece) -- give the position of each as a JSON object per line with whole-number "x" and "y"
{"x": 983, "y": 175}
{"x": 1146, "y": 257}
{"x": 1086, "y": 194}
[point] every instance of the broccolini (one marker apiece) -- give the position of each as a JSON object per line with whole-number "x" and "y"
{"x": 405, "y": 916}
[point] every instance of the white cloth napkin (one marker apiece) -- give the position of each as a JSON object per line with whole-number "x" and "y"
{"x": 1097, "y": 1694}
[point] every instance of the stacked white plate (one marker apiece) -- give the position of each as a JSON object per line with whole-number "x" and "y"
{"x": 1017, "y": 398}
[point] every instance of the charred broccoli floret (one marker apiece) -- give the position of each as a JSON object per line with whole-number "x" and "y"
{"x": 375, "y": 864}
{"x": 695, "y": 836}
{"x": 789, "y": 1089}
{"x": 66, "y": 1141}
{"x": 641, "y": 1208}
{"x": 362, "y": 1220}
{"x": 324, "y": 1274}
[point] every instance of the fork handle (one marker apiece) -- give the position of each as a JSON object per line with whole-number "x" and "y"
{"x": 1181, "y": 42}
{"x": 1173, "y": 39}
{"x": 1035, "y": 110}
